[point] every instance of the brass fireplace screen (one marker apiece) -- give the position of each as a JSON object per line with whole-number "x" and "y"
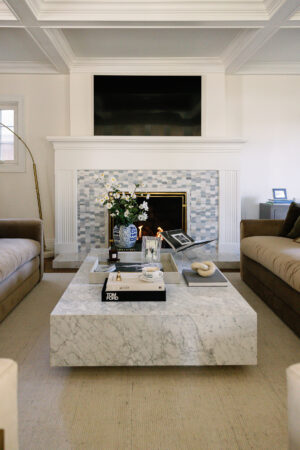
{"x": 167, "y": 211}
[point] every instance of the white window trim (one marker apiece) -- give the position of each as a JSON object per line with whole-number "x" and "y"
{"x": 19, "y": 165}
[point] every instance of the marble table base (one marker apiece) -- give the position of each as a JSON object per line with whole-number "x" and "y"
{"x": 195, "y": 327}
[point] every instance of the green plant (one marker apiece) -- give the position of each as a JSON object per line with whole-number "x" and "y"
{"x": 122, "y": 206}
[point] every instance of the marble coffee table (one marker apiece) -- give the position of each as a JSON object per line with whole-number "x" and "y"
{"x": 194, "y": 327}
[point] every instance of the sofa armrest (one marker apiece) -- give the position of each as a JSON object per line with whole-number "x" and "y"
{"x": 24, "y": 229}
{"x": 262, "y": 227}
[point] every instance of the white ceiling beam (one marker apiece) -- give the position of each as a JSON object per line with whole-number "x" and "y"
{"x": 51, "y": 47}
{"x": 244, "y": 46}
{"x": 148, "y": 66}
{"x": 143, "y": 11}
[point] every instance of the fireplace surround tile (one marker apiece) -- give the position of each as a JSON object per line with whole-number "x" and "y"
{"x": 202, "y": 187}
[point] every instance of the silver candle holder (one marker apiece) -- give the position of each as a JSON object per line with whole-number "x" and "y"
{"x": 151, "y": 249}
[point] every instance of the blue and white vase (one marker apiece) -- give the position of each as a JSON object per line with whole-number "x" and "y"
{"x": 125, "y": 237}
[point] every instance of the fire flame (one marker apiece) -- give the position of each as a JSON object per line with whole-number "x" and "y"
{"x": 159, "y": 231}
{"x": 140, "y": 232}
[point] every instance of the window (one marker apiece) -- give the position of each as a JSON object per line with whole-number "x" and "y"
{"x": 12, "y": 154}
{"x": 7, "y": 139}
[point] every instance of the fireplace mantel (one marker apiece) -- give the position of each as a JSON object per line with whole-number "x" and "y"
{"x": 73, "y": 153}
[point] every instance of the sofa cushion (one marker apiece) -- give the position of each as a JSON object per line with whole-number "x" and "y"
{"x": 295, "y": 231}
{"x": 278, "y": 254}
{"x": 14, "y": 253}
{"x": 291, "y": 217}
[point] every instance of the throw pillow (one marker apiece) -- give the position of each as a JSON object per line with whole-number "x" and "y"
{"x": 291, "y": 217}
{"x": 295, "y": 231}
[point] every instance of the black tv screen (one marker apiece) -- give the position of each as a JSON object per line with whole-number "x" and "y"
{"x": 147, "y": 105}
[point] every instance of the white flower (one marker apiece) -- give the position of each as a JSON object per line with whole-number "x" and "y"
{"x": 102, "y": 175}
{"x": 147, "y": 196}
{"x": 117, "y": 195}
{"x": 113, "y": 215}
{"x": 107, "y": 186}
{"x": 106, "y": 197}
{"x": 144, "y": 206}
{"x": 131, "y": 188}
{"x": 126, "y": 213}
{"x": 109, "y": 205}
{"x": 142, "y": 217}
{"x": 113, "y": 180}
{"x": 117, "y": 212}
{"x": 133, "y": 195}
{"x": 102, "y": 200}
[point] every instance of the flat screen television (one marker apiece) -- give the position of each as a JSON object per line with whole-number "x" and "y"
{"x": 147, "y": 105}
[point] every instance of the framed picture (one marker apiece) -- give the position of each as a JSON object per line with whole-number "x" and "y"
{"x": 279, "y": 194}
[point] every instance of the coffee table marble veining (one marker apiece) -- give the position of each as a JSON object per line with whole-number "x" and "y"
{"x": 194, "y": 327}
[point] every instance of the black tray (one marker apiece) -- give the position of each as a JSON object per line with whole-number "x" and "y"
{"x": 132, "y": 296}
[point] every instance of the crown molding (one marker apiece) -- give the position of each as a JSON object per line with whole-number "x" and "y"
{"x": 244, "y": 50}
{"x": 219, "y": 10}
{"x": 27, "y": 18}
{"x": 270, "y": 68}
{"x": 273, "y": 5}
{"x": 61, "y": 45}
{"x": 147, "y": 66}
{"x": 6, "y": 14}
{"x": 26, "y": 67}
{"x": 295, "y": 17}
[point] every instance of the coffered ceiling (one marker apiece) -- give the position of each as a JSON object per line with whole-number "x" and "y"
{"x": 237, "y": 36}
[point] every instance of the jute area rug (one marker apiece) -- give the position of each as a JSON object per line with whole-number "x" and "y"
{"x": 146, "y": 408}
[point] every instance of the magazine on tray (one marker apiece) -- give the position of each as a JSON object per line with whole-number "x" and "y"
{"x": 179, "y": 240}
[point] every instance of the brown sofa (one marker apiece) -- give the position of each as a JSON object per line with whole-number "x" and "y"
{"x": 270, "y": 265}
{"x": 21, "y": 260}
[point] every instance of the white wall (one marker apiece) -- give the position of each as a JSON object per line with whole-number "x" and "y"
{"x": 265, "y": 110}
{"x": 46, "y": 112}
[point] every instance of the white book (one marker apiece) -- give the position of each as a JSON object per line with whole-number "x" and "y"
{"x": 178, "y": 240}
{"x": 131, "y": 281}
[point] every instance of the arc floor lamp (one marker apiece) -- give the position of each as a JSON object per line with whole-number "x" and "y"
{"x": 36, "y": 181}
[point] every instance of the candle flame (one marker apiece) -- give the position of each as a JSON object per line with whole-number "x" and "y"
{"x": 140, "y": 232}
{"x": 159, "y": 231}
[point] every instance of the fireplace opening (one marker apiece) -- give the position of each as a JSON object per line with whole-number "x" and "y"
{"x": 147, "y": 105}
{"x": 167, "y": 211}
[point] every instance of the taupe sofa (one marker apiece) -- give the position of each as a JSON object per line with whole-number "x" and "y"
{"x": 270, "y": 265}
{"x": 21, "y": 260}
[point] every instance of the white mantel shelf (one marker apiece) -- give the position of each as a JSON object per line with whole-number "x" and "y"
{"x": 73, "y": 153}
{"x": 141, "y": 152}
{"x": 153, "y": 143}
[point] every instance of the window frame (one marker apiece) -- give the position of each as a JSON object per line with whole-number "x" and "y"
{"x": 19, "y": 162}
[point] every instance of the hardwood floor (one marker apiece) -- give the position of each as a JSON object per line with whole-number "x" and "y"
{"x": 49, "y": 269}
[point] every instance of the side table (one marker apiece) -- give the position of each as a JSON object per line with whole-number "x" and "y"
{"x": 273, "y": 211}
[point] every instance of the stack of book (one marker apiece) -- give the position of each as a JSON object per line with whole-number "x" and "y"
{"x": 129, "y": 288}
{"x": 194, "y": 280}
